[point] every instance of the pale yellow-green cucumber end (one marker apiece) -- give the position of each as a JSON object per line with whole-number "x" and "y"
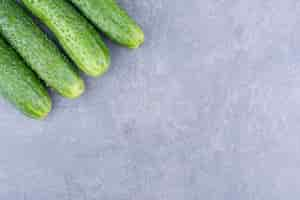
{"x": 101, "y": 68}
{"x": 39, "y": 111}
{"x": 75, "y": 90}
{"x": 138, "y": 39}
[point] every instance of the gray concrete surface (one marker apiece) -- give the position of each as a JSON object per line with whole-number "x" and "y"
{"x": 207, "y": 109}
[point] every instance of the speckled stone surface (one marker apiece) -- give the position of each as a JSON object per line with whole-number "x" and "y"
{"x": 208, "y": 108}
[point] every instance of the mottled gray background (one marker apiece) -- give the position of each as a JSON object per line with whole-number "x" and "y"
{"x": 208, "y": 108}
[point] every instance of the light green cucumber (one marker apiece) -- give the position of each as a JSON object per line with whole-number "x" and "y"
{"x": 77, "y": 37}
{"x": 109, "y": 17}
{"x": 38, "y": 51}
{"x": 20, "y": 86}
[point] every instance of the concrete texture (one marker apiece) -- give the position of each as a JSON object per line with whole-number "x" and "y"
{"x": 207, "y": 109}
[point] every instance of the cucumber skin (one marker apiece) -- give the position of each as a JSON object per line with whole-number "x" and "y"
{"x": 110, "y": 18}
{"x": 20, "y": 86}
{"x": 78, "y": 38}
{"x": 38, "y": 51}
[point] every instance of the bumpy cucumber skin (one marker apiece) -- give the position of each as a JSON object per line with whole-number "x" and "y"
{"x": 109, "y": 17}
{"x": 38, "y": 51}
{"x": 78, "y": 38}
{"x": 20, "y": 86}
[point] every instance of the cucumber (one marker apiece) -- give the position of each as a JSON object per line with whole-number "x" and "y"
{"x": 38, "y": 51}
{"x": 109, "y": 17}
{"x": 77, "y": 37}
{"x": 20, "y": 86}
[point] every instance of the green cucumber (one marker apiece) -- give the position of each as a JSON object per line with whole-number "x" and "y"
{"x": 109, "y": 17}
{"x": 20, "y": 86}
{"x": 77, "y": 37}
{"x": 38, "y": 51}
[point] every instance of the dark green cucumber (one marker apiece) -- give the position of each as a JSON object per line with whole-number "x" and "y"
{"x": 78, "y": 38}
{"x": 38, "y": 51}
{"x": 109, "y": 17}
{"x": 20, "y": 86}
